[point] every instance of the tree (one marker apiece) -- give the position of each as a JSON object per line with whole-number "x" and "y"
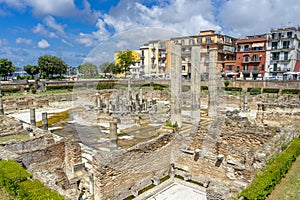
{"x": 31, "y": 70}
{"x": 88, "y": 69}
{"x": 104, "y": 67}
{"x": 125, "y": 59}
{"x": 111, "y": 68}
{"x": 51, "y": 65}
{"x": 6, "y": 68}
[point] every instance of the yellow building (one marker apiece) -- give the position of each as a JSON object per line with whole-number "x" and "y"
{"x": 134, "y": 69}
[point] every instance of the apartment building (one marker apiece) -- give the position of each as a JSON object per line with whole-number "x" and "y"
{"x": 207, "y": 40}
{"x": 155, "y": 60}
{"x": 250, "y": 58}
{"x": 283, "y": 53}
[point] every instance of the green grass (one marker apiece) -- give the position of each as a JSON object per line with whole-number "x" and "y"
{"x": 289, "y": 187}
{"x": 14, "y": 137}
{"x": 5, "y": 195}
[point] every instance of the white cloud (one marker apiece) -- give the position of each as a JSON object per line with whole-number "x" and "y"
{"x": 185, "y": 16}
{"x": 95, "y": 37}
{"x": 61, "y": 8}
{"x": 51, "y": 23}
{"x": 20, "y": 40}
{"x": 43, "y": 44}
{"x": 41, "y": 29}
{"x": 3, "y": 42}
{"x": 67, "y": 43}
{"x": 246, "y": 17}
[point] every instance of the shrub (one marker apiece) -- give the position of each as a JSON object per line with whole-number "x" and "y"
{"x": 265, "y": 182}
{"x": 290, "y": 91}
{"x": 254, "y": 91}
{"x": 226, "y": 83}
{"x": 33, "y": 91}
{"x": 234, "y": 89}
{"x": 11, "y": 174}
{"x": 10, "y": 90}
{"x": 204, "y": 87}
{"x": 59, "y": 87}
{"x": 270, "y": 90}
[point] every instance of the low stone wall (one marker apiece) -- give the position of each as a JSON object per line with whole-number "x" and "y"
{"x": 29, "y": 144}
{"x": 48, "y": 152}
{"x": 129, "y": 172}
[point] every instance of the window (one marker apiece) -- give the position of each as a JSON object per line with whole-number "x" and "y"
{"x": 183, "y": 67}
{"x": 254, "y": 57}
{"x": 274, "y": 45}
{"x": 246, "y": 58}
{"x": 238, "y": 68}
{"x": 275, "y": 56}
{"x": 246, "y": 68}
{"x": 286, "y": 44}
{"x": 289, "y": 34}
{"x": 263, "y": 67}
{"x": 182, "y": 42}
{"x": 286, "y": 56}
{"x": 199, "y": 40}
{"x": 247, "y": 48}
{"x": 275, "y": 67}
{"x": 255, "y": 68}
{"x": 191, "y": 42}
{"x": 208, "y": 39}
{"x": 229, "y": 67}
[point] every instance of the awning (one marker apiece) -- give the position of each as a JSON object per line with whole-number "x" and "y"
{"x": 260, "y": 44}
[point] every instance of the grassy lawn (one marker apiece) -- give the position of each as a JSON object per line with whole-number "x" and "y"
{"x": 21, "y": 136}
{"x": 4, "y": 195}
{"x": 289, "y": 187}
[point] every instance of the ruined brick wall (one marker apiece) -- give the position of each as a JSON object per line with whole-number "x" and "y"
{"x": 124, "y": 174}
{"x": 49, "y": 152}
{"x": 29, "y": 144}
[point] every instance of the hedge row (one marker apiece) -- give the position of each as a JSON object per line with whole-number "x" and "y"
{"x": 59, "y": 87}
{"x": 15, "y": 179}
{"x": 265, "y": 181}
{"x": 270, "y": 90}
{"x": 10, "y": 90}
{"x": 233, "y": 89}
{"x": 290, "y": 91}
{"x": 254, "y": 91}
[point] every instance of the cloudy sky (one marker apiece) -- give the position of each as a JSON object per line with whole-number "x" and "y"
{"x": 90, "y": 30}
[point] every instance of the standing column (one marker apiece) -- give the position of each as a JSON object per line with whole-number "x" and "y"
{"x": 195, "y": 84}
{"x": 129, "y": 94}
{"x": 176, "y": 96}
{"x": 113, "y": 134}
{"x": 1, "y": 102}
{"x": 44, "y": 121}
{"x": 32, "y": 117}
{"x": 212, "y": 83}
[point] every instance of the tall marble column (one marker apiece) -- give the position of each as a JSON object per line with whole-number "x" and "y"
{"x": 176, "y": 93}
{"x": 195, "y": 84}
{"x": 212, "y": 83}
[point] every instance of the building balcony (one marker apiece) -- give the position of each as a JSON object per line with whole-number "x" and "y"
{"x": 245, "y": 61}
{"x": 254, "y": 60}
{"x": 250, "y": 71}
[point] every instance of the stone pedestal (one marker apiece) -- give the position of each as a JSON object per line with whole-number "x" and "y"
{"x": 113, "y": 134}
{"x": 32, "y": 117}
{"x": 44, "y": 121}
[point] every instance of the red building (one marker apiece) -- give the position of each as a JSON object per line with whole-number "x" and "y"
{"x": 250, "y": 58}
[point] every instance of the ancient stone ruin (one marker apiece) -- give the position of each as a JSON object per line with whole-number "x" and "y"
{"x": 133, "y": 142}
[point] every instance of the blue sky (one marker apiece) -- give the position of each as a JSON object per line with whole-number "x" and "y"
{"x": 91, "y": 30}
